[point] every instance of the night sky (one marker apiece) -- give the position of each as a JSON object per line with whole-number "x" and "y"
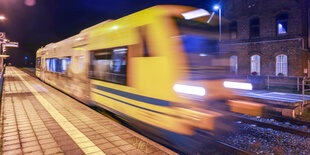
{"x": 35, "y": 23}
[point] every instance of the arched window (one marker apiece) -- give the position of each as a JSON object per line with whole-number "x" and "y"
{"x": 282, "y": 20}
{"x": 233, "y": 30}
{"x": 254, "y": 27}
{"x": 255, "y": 65}
{"x": 281, "y": 65}
{"x": 234, "y": 64}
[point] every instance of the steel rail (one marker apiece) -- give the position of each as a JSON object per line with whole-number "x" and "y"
{"x": 230, "y": 149}
{"x": 273, "y": 126}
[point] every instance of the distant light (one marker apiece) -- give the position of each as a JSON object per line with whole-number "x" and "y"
{"x": 186, "y": 89}
{"x": 115, "y": 27}
{"x": 79, "y": 38}
{"x": 203, "y": 54}
{"x": 281, "y": 29}
{"x": 216, "y": 7}
{"x": 2, "y": 17}
{"x": 30, "y": 2}
{"x": 26, "y": 58}
{"x": 195, "y": 14}
{"x": 238, "y": 85}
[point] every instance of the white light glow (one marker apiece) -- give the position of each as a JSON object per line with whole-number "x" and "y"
{"x": 186, "y": 89}
{"x": 238, "y": 85}
{"x": 115, "y": 27}
{"x": 216, "y": 7}
{"x": 79, "y": 38}
{"x": 203, "y": 54}
{"x": 2, "y": 17}
{"x": 195, "y": 14}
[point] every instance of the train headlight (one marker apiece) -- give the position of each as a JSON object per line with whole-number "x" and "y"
{"x": 238, "y": 85}
{"x": 187, "y": 89}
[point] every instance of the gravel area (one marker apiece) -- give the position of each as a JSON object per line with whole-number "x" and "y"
{"x": 275, "y": 122}
{"x": 260, "y": 140}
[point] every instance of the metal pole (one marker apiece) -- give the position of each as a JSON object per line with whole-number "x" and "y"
{"x": 1, "y": 59}
{"x": 297, "y": 83}
{"x": 220, "y": 22}
{"x": 303, "y": 96}
{"x": 268, "y": 82}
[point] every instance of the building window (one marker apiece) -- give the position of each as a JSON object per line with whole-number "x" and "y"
{"x": 109, "y": 65}
{"x": 281, "y": 65}
{"x": 233, "y": 30}
{"x": 255, "y": 65}
{"x": 254, "y": 28}
{"x": 282, "y": 20}
{"x": 234, "y": 64}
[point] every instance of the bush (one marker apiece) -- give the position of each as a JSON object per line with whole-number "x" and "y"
{"x": 254, "y": 73}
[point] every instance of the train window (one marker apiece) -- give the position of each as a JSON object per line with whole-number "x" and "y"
{"x": 38, "y": 62}
{"x": 47, "y": 61}
{"x": 201, "y": 47}
{"x": 64, "y": 64}
{"x": 198, "y": 38}
{"x": 53, "y": 65}
{"x": 110, "y": 65}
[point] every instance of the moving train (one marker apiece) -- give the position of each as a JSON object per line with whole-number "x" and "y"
{"x": 157, "y": 68}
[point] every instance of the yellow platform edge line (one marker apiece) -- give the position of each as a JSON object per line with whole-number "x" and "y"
{"x": 64, "y": 123}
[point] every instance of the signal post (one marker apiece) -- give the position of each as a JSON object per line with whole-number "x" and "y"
{"x": 3, "y": 44}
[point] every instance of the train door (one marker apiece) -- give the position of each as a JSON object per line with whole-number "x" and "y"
{"x": 42, "y": 68}
{"x": 38, "y": 66}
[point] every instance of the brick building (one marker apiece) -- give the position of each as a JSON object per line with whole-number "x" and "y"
{"x": 268, "y": 37}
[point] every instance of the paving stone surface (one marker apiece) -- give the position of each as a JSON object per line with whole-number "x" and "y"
{"x": 38, "y": 119}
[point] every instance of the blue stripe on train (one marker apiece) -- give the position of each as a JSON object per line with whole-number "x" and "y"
{"x": 127, "y": 103}
{"x": 134, "y": 96}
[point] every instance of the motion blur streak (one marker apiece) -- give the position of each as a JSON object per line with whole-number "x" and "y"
{"x": 238, "y": 85}
{"x": 195, "y": 14}
{"x": 194, "y": 90}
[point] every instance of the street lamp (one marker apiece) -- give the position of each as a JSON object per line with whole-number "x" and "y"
{"x": 2, "y": 17}
{"x": 217, "y": 7}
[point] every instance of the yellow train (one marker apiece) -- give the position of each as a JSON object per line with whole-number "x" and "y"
{"x": 152, "y": 68}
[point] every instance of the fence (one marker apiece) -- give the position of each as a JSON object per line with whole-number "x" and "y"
{"x": 304, "y": 83}
{"x": 1, "y": 83}
{"x": 299, "y": 83}
{"x": 268, "y": 82}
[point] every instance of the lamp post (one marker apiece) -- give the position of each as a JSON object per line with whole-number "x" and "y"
{"x": 2, "y": 40}
{"x": 217, "y": 7}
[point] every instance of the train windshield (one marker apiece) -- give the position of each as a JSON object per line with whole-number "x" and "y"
{"x": 201, "y": 44}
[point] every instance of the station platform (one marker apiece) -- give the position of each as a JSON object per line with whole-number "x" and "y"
{"x": 38, "y": 119}
{"x": 285, "y": 104}
{"x": 289, "y": 99}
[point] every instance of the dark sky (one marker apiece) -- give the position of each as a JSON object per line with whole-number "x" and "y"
{"x": 53, "y": 20}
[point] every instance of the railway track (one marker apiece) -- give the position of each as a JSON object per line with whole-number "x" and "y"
{"x": 275, "y": 126}
{"x": 287, "y": 119}
{"x": 229, "y": 149}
